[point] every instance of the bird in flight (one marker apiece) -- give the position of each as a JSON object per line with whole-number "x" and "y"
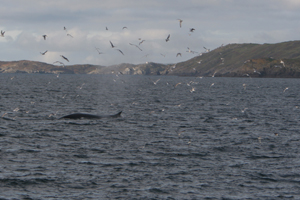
{"x": 2, "y": 33}
{"x": 192, "y": 30}
{"x": 59, "y": 63}
{"x": 141, "y": 42}
{"x": 70, "y": 35}
{"x": 168, "y": 38}
{"x": 64, "y": 58}
{"x": 178, "y": 54}
{"x": 112, "y": 46}
{"x": 155, "y": 82}
{"x": 44, "y": 36}
{"x": 120, "y": 51}
{"x": 44, "y": 52}
{"x": 136, "y": 46}
{"x": 98, "y": 50}
{"x": 180, "y": 22}
{"x": 190, "y": 51}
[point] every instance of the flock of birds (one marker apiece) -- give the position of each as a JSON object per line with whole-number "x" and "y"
{"x": 113, "y": 46}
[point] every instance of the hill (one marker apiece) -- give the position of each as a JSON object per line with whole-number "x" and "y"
{"x": 258, "y": 60}
{"x": 232, "y": 60}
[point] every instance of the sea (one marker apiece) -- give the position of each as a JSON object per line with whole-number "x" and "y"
{"x": 177, "y": 137}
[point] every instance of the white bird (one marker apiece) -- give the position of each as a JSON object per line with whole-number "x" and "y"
{"x": 2, "y": 33}
{"x": 282, "y": 63}
{"x": 136, "y": 46}
{"x": 207, "y": 50}
{"x": 155, "y": 82}
{"x": 59, "y": 63}
{"x": 214, "y": 74}
{"x": 190, "y": 51}
{"x": 44, "y": 52}
{"x": 98, "y": 50}
{"x": 180, "y": 22}
{"x": 192, "y": 90}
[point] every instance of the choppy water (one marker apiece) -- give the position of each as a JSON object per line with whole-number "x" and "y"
{"x": 216, "y": 142}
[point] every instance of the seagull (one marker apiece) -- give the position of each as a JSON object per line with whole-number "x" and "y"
{"x": 65, "y": 28}
{"x": 124, "y": 27}
{"x": 44, "y": 36}
{"x": 163, "y": 55}
{"x": 190, "y": 51}
{"x": 64, "y": 58}
{"x": 98, "y": 50}
{"x": 106, "y": 28}
{"x": 214, "y": 74}
{"x": 281, "y": 61}
{"x": 244, "y": 85}
{"x": 168, "y": 38}
{"x": 70, "y": 35}
{"x": 180, "y": 22}
{"x": 136, "y": 46}
{"x": 120, "y": 51}
{"x": 254, "y": 70}
{"x": 259, "y": 139}
{"x": 2, "y": 33}
{"x": 59, "y": 63}
{"x": 285, "y": 89}
{"x": 155, "y": 82}
{"x": 179, "y": 133}
{"x": 176, "y": 85}
{"x": 178, "y": 54}
{"x": 192, "y": 29}
{"x": 112, "y": 46}
{"x": 192, "y": 90}
{"x": 44, "y": 52}
{"x": 141, "y": 42}
{"x": 207, "y": 50}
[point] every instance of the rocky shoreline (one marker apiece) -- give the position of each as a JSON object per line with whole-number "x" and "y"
{"x": 281, "y": 60}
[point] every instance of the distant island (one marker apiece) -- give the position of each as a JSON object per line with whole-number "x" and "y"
{"x": 280, "y": 60}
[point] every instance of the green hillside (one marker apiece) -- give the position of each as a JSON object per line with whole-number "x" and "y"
{"x": 265, "y": 60}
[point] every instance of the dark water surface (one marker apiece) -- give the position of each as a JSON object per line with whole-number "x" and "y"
{"x": 217, "y": 142}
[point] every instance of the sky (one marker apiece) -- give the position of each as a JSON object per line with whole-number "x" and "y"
{"x": 216, "y": 23}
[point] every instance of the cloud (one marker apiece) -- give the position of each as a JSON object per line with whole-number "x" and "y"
{"x": 216, "y": 22}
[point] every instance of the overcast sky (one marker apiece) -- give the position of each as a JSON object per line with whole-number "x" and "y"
{"x": 216, "y": 22}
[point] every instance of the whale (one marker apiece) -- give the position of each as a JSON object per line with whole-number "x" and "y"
{"x": 89, "y": 116}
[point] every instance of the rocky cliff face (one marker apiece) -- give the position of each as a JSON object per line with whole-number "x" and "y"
{"x": 232, "y": 60}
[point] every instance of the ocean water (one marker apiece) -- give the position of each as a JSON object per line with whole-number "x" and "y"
{"x": 178, "y": 137}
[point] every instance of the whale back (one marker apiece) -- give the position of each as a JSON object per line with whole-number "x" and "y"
{"x": 89, "y": 116}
